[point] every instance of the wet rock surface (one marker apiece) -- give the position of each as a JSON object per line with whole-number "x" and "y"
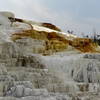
{"x": 26, "y": 76}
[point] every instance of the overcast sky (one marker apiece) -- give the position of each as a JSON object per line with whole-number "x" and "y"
{"x": 77, "y": 15}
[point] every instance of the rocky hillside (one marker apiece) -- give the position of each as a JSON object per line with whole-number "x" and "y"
{"x": 40, "y": 62}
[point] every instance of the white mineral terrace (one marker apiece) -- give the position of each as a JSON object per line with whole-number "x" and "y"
{"x": 6, "y": 29}
{"x": 26, "y": 75}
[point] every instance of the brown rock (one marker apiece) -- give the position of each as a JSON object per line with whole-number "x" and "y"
{"x": 51, "y": 26}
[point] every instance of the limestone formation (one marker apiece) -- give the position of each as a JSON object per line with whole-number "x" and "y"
{"x": 45, "y": 64}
